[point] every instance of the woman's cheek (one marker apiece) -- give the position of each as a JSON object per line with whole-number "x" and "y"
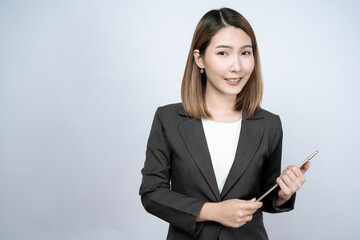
{"x": 249, "y": 66}
{"x": 219, "y": 67}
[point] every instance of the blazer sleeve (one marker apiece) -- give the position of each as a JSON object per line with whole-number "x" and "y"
{"x": 155, "y": 190}
{"x": 271, "y": 170}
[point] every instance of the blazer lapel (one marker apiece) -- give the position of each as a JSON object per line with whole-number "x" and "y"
{"x": 250, "y": 137}
{"x": 194, "y": 137}
{"x": 249, "y": 140}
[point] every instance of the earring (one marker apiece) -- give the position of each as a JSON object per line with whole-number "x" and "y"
{"x": 201, "y": 70}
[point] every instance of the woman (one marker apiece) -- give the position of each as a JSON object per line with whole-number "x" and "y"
{"x": 209, "y": 157}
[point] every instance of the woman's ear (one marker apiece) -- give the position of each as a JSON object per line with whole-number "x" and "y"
{"x": 198, "y": 59}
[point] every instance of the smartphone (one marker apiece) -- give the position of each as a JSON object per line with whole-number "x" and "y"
{"x": 276, "y": 185}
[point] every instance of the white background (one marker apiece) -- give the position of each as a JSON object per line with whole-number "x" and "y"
{"x": 80, "y": 82}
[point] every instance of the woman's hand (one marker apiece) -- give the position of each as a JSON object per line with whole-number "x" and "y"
{"x": 230, "y": 213}
{"x": 235, "y": 212}
{"x": 290, "y": 181}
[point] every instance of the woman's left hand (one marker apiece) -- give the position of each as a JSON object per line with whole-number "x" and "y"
{"x": 290, "y": 181}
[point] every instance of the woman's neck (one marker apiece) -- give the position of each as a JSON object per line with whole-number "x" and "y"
{"x": 221, "y": 107}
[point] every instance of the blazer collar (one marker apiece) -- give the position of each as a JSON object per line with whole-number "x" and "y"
{"x": 250, "y": 137}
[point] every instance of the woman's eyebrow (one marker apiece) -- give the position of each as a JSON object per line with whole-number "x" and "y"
{"x": 226, "y": 46}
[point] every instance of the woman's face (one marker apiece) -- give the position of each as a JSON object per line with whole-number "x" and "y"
{"x": 228, "y": 61}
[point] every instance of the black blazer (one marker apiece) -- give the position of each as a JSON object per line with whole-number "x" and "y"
{"x": 178, "y": 177}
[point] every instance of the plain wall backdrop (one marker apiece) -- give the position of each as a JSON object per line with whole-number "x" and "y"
{"x": 80, "y": 82}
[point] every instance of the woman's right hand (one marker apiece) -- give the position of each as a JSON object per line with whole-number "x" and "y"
{"x": 230, "y": 213}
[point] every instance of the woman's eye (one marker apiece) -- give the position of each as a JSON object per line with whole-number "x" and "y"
{"x": 246, "y": 53}
{"x": 222, "y": 53}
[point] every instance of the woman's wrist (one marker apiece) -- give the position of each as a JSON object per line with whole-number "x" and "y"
{"x": 280, "y": 201}
{"x": 207, "y": 212}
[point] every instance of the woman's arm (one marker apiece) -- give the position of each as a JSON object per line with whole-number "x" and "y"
{"x": 156, "y": 195}
{"x": 272, "y": 170}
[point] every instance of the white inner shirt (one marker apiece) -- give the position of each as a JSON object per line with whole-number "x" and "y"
{"x": 222, "y": 140}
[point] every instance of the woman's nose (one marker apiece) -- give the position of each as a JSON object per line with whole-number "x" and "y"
{"x": 236, "y": 65}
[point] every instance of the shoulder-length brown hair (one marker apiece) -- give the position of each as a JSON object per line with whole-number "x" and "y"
{"x": 194, "y": 83}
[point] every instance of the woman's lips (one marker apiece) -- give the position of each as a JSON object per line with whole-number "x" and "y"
{"x": 233, "y": 81}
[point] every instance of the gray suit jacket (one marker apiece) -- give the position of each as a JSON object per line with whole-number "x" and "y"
{"x": 178, "y": 177}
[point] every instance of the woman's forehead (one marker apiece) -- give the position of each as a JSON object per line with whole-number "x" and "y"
{"x": 230, "y": 36}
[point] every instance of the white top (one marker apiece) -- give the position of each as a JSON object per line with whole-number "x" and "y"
{"x": 222, "y": 140}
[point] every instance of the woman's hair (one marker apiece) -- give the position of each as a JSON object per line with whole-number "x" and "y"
{"x": 194, "y": 83}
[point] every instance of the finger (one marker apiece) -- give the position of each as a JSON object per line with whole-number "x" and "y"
{"x": 249, "y": 204}
{"x": 253, "y": 200}
{"x": 299, "y": 174}
{"x": 242, "y": 214}
{"x": 290, "y": 173}
{"x": 290, "y": 183}
{"x": 296, "y": 184}
{"x": 249, "y": 218}
{"x": 248, "y": 212}
{"x": 290, "y": 167}
{"x": 305, "y": 167}
{"x": 283, "y": 186}
{"x": 252, "y": 205}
